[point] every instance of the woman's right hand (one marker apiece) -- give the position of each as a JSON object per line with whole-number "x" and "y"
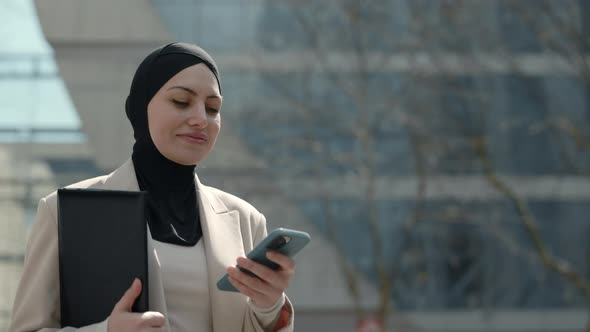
{"x": 122, "y": 319}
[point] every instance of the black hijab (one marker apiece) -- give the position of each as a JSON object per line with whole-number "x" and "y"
{"x": 173, "y": 215}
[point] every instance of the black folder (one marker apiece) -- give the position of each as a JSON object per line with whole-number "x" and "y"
{"x": 102, "y": 248}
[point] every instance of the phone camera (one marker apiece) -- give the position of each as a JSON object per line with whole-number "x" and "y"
{"x": 279, "y": 242}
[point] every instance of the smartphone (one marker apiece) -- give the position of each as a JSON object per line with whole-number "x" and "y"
{"x": 285, "y": 241}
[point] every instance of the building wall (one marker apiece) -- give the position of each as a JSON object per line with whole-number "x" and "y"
{"x": 98, "y": 46}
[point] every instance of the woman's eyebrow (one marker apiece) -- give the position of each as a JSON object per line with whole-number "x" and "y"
{"x": 183, "y": 88}
{"x": 192, "y": 92}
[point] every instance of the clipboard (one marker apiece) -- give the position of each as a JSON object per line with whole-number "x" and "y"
{"x": 102, "y": 248}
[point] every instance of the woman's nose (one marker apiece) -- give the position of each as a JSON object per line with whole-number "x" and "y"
{"x": 198, "y": 116}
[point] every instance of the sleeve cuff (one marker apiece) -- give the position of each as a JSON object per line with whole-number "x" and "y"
{"x": 267, "y": 317}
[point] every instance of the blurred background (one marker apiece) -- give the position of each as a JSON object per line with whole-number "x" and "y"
{"x": 438, "y": 152}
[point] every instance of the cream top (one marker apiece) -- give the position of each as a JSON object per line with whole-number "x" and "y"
{"x": 185, "y": 281}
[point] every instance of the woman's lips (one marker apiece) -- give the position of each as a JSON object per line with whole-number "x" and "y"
{"x": 194, "y": 138}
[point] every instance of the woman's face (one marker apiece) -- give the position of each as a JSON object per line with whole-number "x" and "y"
{"x": 184, "y": 115}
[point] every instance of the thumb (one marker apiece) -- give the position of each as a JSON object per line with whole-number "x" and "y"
{"x": 127, "y": 300}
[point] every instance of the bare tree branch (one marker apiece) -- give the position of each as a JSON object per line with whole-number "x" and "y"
{"x": 528, "y": 221}
{"x": 574, "y": 132}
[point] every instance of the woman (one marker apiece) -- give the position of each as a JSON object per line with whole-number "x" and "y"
{"x": 195, "y": 232}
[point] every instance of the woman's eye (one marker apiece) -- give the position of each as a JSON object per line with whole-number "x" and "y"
{"x": 180, "y": 103}
{"x": 212, "y": 110}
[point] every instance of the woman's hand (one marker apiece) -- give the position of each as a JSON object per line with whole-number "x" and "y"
{"x": 268, "y": 288}
{"x": 123, "y": 319}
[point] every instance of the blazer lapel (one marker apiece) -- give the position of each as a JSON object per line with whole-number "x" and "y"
{"x": 223, "y": 244}
{"x": 124, "y": 178}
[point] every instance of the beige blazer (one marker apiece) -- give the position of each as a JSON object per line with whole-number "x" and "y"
{"x": 231, "y": 227}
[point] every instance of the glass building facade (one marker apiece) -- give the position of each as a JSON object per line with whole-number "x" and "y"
{"x": 35, "y": 105}
{"x": 424, "y": 116}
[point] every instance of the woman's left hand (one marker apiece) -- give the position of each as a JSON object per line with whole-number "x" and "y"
{"x": 269, "y": 287}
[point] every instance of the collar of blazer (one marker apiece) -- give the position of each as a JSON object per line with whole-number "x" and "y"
{"x": 124, "y": 178}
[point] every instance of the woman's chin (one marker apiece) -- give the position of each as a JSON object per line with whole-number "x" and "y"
{"x": 184, "y": 160}
{"x": 187, "y": 162}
